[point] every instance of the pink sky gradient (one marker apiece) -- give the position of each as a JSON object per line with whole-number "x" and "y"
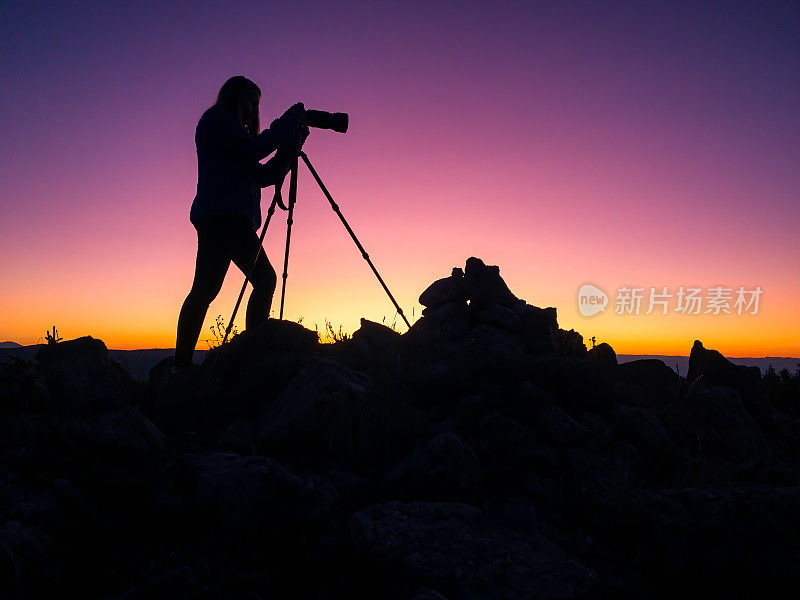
{"x": 622, "y": 145}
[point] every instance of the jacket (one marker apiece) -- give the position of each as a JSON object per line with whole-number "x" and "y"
{"x": 229, "y": 174}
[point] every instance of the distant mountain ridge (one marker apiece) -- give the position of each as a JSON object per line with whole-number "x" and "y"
{"x": 139, "y": 362}
{"x": 681, "y": 363}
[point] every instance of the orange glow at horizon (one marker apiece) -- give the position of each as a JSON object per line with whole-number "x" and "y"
{"x": 561, "y": 143}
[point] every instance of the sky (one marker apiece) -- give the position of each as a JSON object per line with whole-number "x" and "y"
{"x": 622, "y": 144}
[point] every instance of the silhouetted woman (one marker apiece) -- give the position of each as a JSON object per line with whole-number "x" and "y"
{"x": 226, "y": 211}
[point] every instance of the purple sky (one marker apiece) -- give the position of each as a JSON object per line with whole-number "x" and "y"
{"x": 616, "y": 143}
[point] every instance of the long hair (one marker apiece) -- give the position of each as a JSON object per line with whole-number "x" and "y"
{"x": 230, "y": 98}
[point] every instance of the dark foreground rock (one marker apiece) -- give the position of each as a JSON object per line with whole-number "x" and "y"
{"x": 450, "y": 548}
{"x": 485, "y": 453}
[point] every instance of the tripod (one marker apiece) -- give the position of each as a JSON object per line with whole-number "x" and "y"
{"x": 292, "y": 200}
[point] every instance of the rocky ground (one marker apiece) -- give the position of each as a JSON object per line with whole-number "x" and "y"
{"x": 484, "y": 454}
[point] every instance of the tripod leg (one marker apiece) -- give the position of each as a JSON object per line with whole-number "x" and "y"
{"x": 289, "y": 221}
{"x": 352, "y": 235}
{"x": 270, "y": 212}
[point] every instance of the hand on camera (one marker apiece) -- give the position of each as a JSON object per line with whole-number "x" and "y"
{"x": 298, "y": 138}
{"x": 297, "y": 111}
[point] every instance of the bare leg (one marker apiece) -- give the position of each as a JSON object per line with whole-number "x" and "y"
{"x": 263, "y": 278}
{"x": 213, "y": 259}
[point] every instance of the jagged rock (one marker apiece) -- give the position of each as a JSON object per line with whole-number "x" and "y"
{"x": 22, "y": 387}
{"x": 377, "y": 337}
{"x": 322, "y": 413}
{"x": 271, "y": 336}
{"x": 667, "y": 465}
{"x": 538, "y": 328}
{"x": 559, "y": 428}
{"x": 598, "y": 481}
{"x": 444, "y": 291}
{"x": 576, "y": 380}
{"x": 447, "y": 323}
{"x": 485, "y": 286}
{"x": 533, "y": 407}
{"x": 570, "y": 343}
{"x": 82, "y": 377}
{"x": 31, "y": 562}
{"x": 715, "y": 369}
{"x": 709, "y": 368}
{"x": 604, "y": 354}
{"x": 512, "y": 512}
{"x": 354, "y": 491}
{"x": 716, "y": 425}
{"x": 428, "y": 594}
{"x": 181, "y": 582}
{"x": 444, "y": 468}
{"x": 492, "y": 340}
{"x": 120, "y": 443}
{"x": 499, "y": 316}
{"x": 631, "y": 459}
{"x": 253, "y": 495}
{"x": 648, "y": 383}
{"x": 716, "y": 541}
{"x": 513, "y": 446}
{"x": 598, "y": 428}
{"x": 239, "y": 436}
{"x": 160, "y": 374}
{"x": 502, "y": 409}
{"x": 451, "y": 547}
{"x": 606, "y": 376}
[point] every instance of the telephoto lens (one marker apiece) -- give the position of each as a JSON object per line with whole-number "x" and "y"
{"x": 324, "y": 120}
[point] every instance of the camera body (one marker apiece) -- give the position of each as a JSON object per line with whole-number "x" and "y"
{"x": 325, "y": 120}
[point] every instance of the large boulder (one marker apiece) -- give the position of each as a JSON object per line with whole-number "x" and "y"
{"x": 709, "y": 368}
{"x": 248, "y": 354}
{"x": 514, "y": 448}
{"x": 321, "y": 415}
{"x": 648, "y": 383}
{"x": 606, "y": 377}
{"x": 377, "y": 337}
{"x": 22, "y": 386}
{"x": 485, "y": 286}
{"x": 452, "y": 548}
{"x": 666, "y": 464}
{"x": 596, "y": 482}
{"x": 445, "y": 468}
{"x": 715, "y": 425}
{"x": 569, "y": 343}
{"x": 577, "y": 381}
{"x": 252, "y": 495}
{"x": 32, "y": 563}
{"x": 715, "y": 369}
{"x": 447, "y": 323}
{"x": 82, "y": 377}
{"x": 490, "y": 340}
{"x": 498, "y": 316}
{"x": 444, "y": 291}
{"x": 371, "y": 348}
{"x": 734, "y": 541}
{"x": 272, "y": 334}
{"x": 114, "y": 446}
{"x": 559, "y": 428}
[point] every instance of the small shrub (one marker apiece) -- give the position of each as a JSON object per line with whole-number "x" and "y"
{"x": 331, "y": 335}
{"x": 218, "y": 331}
